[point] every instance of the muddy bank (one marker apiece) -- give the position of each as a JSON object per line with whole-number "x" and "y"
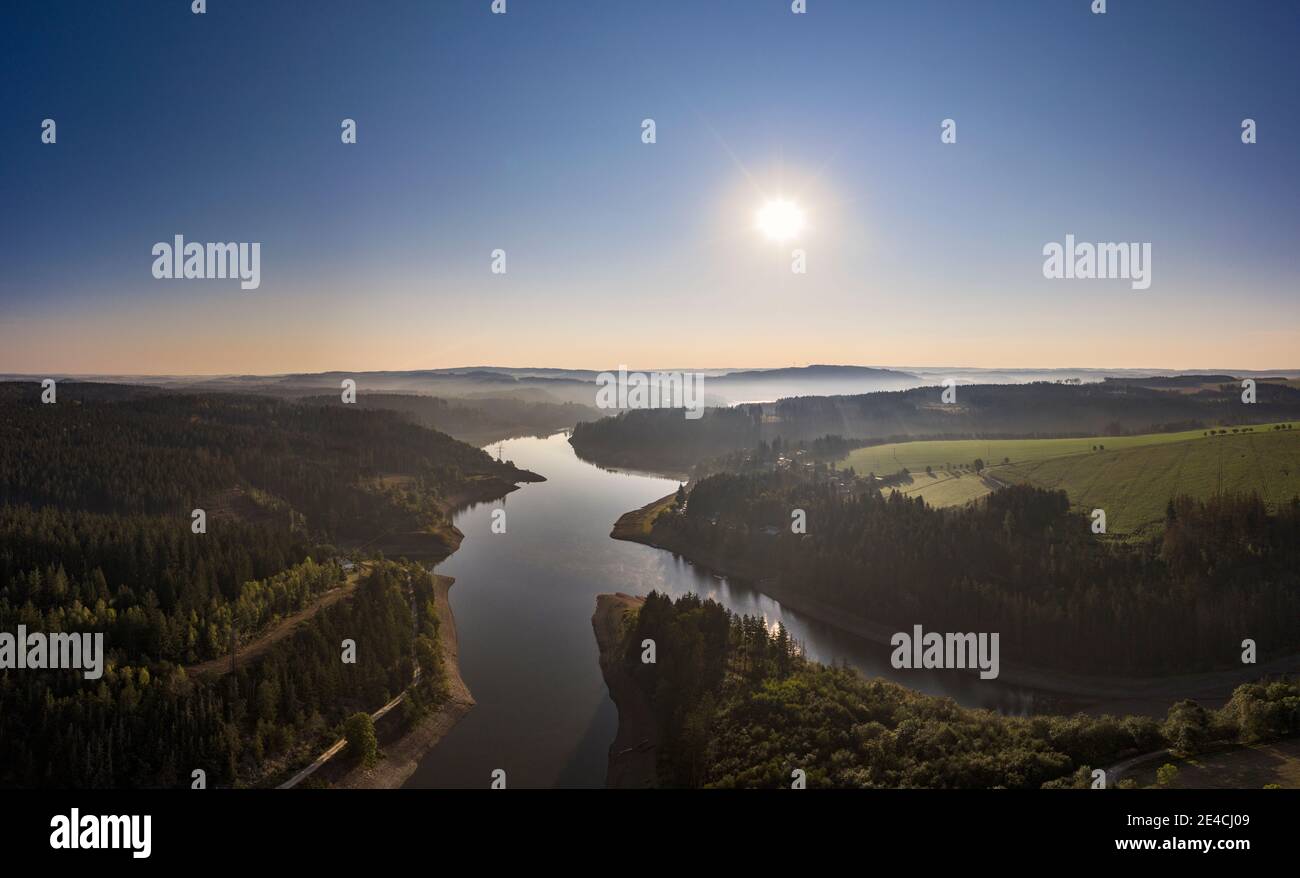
{"x": 401, "y": 749}
{"x": 632, "y": 755}
{"x": 634, "y": 526}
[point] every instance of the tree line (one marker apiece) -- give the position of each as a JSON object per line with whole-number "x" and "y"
{"x": 162, "y": 453}
{"x": 1018, "y": 562}
{"x": 663, "y": 438}
{"x": 737, "y": 706}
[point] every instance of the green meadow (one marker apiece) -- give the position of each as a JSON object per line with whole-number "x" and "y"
{"x": 883, "y": 459}
{"x": 1131, "y": 477}
{"x": 944, "y": 488}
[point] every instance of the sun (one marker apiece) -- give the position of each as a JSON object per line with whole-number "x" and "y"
{"x": 780, "y": 220}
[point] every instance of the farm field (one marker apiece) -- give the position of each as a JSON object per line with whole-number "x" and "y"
{"x": 1134, "y": 485}
{"x": 882, "y": 459}
{"x": 1131, "y": 477}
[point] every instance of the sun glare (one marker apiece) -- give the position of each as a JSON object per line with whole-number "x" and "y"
{"x": 780, "y": 220}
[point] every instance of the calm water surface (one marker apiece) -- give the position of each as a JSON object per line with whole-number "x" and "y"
{"x": 523, "y": 602}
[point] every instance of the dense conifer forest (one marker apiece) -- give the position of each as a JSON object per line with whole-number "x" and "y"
{"x": 97, "y": 535}
{"x": 147, "y": 724}
{"x": 1018, "y": 562}
{"x": 480, "y": 419}
{"x": 737, "y": 706}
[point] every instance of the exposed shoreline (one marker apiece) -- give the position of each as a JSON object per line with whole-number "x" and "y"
{"x": 402, "y": 755}
{"x": 633, "y": 751}
{"x": 486, "y": 490}
{"x": 1097, "y": 694}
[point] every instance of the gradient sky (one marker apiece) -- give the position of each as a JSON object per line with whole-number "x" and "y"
{"x": 522, "y": 131}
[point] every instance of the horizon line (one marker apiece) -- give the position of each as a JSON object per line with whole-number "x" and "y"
{"x": 1154, "y": 370}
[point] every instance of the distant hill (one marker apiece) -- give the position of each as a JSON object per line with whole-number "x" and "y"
{"x": 479, "y": 419}
{"x": 722, "y": 386}
{"x": 1181, "y": 381}
{"x": 765, "y": 385}
{"x": 347, "y": 475}
{"x": 666, "y": 440}
{"x": 815, "y": 372}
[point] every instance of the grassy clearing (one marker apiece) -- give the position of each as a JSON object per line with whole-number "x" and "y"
{"x": 1134, "y": 485}
{"x": 882, "y": 459}
{"x": 1131, "y": 477}
{"x": 946, "y": 488}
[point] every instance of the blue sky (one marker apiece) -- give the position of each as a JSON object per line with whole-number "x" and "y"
{"x": 522, "y": 131}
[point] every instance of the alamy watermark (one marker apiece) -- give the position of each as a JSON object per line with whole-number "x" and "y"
{"x": 1104, "y": 261}
{"x": 195, "y": 261}
{"x": 79, "y": 651}
{"x": 651, "y": 390}
{"x": 933, "y": 650}
{"x": 77, "y": 831}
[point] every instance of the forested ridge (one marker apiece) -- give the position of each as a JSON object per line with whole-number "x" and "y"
{"x": 96, "y": 494}
{"x": 1017, "y": 562}
{"x": 737, "y": 706}
{"x": 664, "y": 438}
{"x": 478, "y": 419}
{"x": 114, "y": 450}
